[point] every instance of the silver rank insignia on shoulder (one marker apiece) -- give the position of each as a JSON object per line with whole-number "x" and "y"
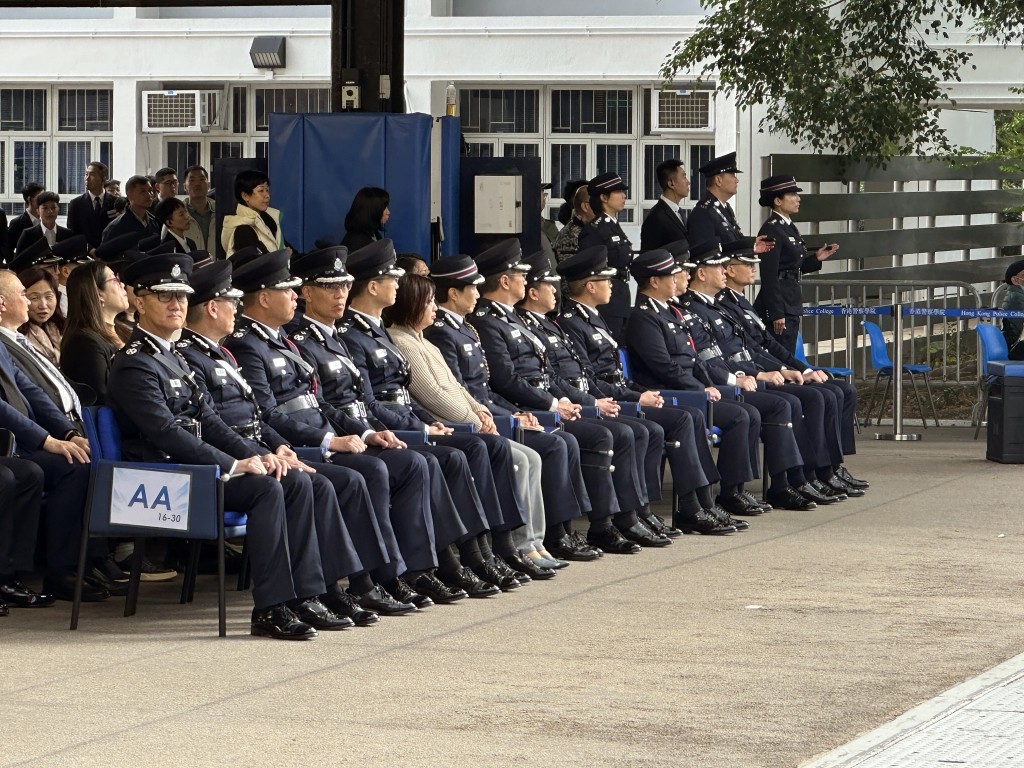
{"x": 343, "y": 329}
{"x": 239, "y": 333}
{"x": 439, "y": 324}
{"x": 131, "y": 350}
{"x": 298, "y": 336}
{"x": 182, "y": 344}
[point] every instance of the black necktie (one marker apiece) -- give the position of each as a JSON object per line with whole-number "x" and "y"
{"x": 12, "y": 394}
{"x": 96, "y": 204}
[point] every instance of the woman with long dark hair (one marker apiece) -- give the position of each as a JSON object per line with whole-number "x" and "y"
{"x": 366, "y": 218}
{"x": 95, "y": 298}
{"x": 46, "y": 322}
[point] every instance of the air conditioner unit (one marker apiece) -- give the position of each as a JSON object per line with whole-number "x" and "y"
{"x": 192, "y": 111}
{"x": 682, "y": 109}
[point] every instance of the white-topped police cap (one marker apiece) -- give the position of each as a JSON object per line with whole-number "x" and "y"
{"x": 374, "y": 261}
{"x": 324, "y": 266}
{"x": 503, "y": 257}
{"x": 654, "y": 263}
{"x": 38, "y": 253}
{"x": 708, "y": 252}
{"x": 74, "y": 250}
{"x": 540, "y": 269}
{"x": 268, "y": 271}
{"x": 681, "y": 250}
{"x": 720, "y": 164}
{"x": 164, "y": 272}
{"x": 605, "y": 184}
{"x": 457, "y": 269}
{"x": 213, "y": 281}
{"x": 741, "y": 250}
{"x": 588, "y": 262}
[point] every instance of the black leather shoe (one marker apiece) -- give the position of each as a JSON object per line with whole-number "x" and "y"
{"x": 486, "y": 572}
{"x": 565, "y": 548}
{"x": 429, "y": 585}
{"x": 838, "y": 483}
{"x": 581, "y": 542}
{"x": 403, "y": 593}
{"x": 468, "y": 581}
{"x": 644, "y": 536}
{"x": 611, "y": 541}
{"x": 503, "y": 568}
{"x": 818, "y": 496}
{"x": 657, "y": 525}
{"x": 280, "y": 623}
{"x": 17, "y": 594}
{"x": 526, "y": 567}
{"x": 844, "y": 474}
{"x": 737, "y": 505}
{"x": 788, "y": 498}
{"x": 111, "y": 569}
{"x": 701, "y": 522}
{"x": 764, "y": 505}
{"x": 379, "y": 601}
{"x": 726, "y": 519}
{"x": 63, "y": 588}
{"x": 4, "y": 610}
{"x": 318, "y": 615}
{"x": 341, "y": 603}
{"x": 838, "y": 493}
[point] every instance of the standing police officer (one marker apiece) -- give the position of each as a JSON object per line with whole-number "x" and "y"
{"x": 607, "y": 198}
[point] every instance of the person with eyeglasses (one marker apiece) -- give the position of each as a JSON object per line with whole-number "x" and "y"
{"x": 166, "y": 184}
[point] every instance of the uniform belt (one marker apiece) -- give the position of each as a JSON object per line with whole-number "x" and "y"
{"x": 250, "y": 431}
{"x": 742, "y": 356}
{"x": 790, "y": 274}
{"x": 622, "y": 274}
{"x": 304, "y": 402}
{"x": 581, "y": 384}
{"x": 543, "y": 382}
{"x": 710, "y": 353}
{"x": 400, "y": 396}
{"x": 191, "y": 426}
{"x": 355, "y": 409}
{"x": 613, "y": 378}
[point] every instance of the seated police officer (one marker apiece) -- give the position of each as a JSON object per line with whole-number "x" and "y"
{"x": 565, "y": 496}
{"x": 163, "y": 416}
{"x": 520, "y": 373}
{"x": 587, "y": 288}
{"x": 385, "y": 374}
{"x": 211, "y": 317}
{"x": 569, "y": 379}
{"x": 420, "y": 499}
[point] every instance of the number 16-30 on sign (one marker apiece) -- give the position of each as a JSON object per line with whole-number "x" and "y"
{"x": 151, "y": 499}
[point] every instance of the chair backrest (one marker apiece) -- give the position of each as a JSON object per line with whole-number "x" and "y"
{"x": 993, "y": 345}
{"x": 624, "y": 361}
{"x": 799, "y": 353}
{"x": 879, "y": 352}
{"x": 108, "y": 435}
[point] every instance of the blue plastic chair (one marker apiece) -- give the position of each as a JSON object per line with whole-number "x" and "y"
{"x": 882, "y": 364}
{"x": 839, "y": 373}
{"x": 207, "y": 519}
{"x": 993, "y": 348}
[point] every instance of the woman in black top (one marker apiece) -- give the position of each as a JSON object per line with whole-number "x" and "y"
{"x": 95, "y": 297}
{"x": 365, "y": 220}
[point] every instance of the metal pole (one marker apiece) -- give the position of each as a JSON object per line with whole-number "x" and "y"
{"x": 897, "y": 378}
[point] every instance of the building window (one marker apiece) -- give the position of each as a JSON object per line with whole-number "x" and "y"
{"x": 22, "y": 109}
{"x": 239, "y": 109}
{"x": 84, "y": 109}
{"x": 482, "y": 149}
{"x": 72, "y": 158}
{"x": 29, "y": 163}
{"x": 180, "y": 155}
{"x": 699, "y": 154}
{"x": 520, "y": 150}
{"x": 499, "y": 110}
{"x": 592, "y": 111}
{"x": 291, "y": 100}
{"x": 568, "y": 162}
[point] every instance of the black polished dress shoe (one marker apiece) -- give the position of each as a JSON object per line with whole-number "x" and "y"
{"x": 403, "y": 593}
{"x": 581, "y": 542}
{"x": 428, "y": 584}
{"x": 63, "y": 588}
{"x": 644, "y": 536}
{"x": 764, "y": 505}
{"x": 526, "y": 567}
{"x": 788, "y": 498}
{"x": 611, "y": 541}
{"x": 838, "y": 493}
{"x": 839, "y": 484}
{"x": 739, "y": 506}
{"x": 844, "y": 474}
{"x": 503, "y": 568}
{"x": 701, "y": 522}
{"x": 486, "y": 572}
{"x": 280, "y": 623}
{"x": 726, "y": 519}
{"x": 379, "y": 601}
{"x": 341, "y": 603}
{"x": 566, "y": 549}
{"x": 818, "y": 496}
{"x": 4, "y": 610}
{"x": 13, "y": 592}
{"x": 657, "y": 525}
{"x": 468, "y": 581}
{"x": 319, "y": 616}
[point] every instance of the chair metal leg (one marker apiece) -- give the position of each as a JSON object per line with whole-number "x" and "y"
{"x": 885, "y": 396}
{"x": 920, "y": 404}
{"x": 222, "y": 622}
{"x": 132, "y": 600}
{"x": 931, "y": 400}
{"x": 188, "y": 587}
{"x": 83, "y": 547}
{"x": 871, "y": 402}
{"x": 982, "y": 414}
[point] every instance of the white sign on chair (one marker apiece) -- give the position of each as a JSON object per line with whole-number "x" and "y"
{"x": 150, "y": 499}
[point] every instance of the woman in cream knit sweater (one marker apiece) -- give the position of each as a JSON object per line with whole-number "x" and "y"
{"x": 433, "y": 386}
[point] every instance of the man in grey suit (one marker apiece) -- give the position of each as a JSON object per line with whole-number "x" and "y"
{"x": 666, "y": 223}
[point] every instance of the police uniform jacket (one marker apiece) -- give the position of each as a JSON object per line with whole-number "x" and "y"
{"x": 662, "y": 352}
{"x": 662, "y": 226}
{"x": 286, "y": 386}
{"x": 570, "y": 376}
{"x": 460, "y": 347}
{"x": 754, "y": 329}
{"x": 516, "y": 358}
{"x": 781, "y": 268}
{"x": 721, "y": 343}
{"x": 712, "y": 218}
{"x": 592, "y": 340}
{"x": 606, "y": 231}
{"x": 157, "y": 402}
{"x": 84, "y": 219}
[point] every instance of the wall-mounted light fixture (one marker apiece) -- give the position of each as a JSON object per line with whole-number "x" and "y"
{"x": 267, "y": 52}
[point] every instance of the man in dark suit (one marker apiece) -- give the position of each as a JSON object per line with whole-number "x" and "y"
{"x": 91, "y": 212}
{"x": 27, "y": 219}
{"x": 48, "y": 207}
{"x": 137, "y": 218}
{"x": 666, "y": 223}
